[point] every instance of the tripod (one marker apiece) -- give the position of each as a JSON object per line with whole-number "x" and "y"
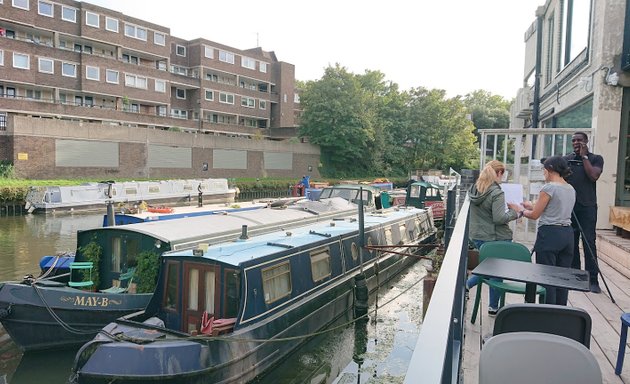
{"x": 592, "y": 256}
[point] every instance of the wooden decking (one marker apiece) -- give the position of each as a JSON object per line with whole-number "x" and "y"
{"x": 604, "y": 314}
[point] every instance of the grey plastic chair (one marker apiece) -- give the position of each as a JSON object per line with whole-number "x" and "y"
{"x": 571, "y": 322}
{"x": 532, "y": 357}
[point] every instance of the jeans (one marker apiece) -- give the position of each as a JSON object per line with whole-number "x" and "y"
{"x": 495, "y": 295}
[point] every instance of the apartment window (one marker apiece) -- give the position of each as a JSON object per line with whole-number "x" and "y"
{"x": 160, "y": 86}
{"x": 46, "y": 65}
{"x": 248, "y": 62}
{"x": 296, "y": 98}
{"x": 111, "y": 24}
{"x": 33, "y": 94}
{"x": 159, "y": 38}
{"x": 135, "y": 81}
{"x": 130, "y": 59}
{"x": 263, "y": 67}
{"x": 180, "y": 50}
{"x": 111, "y": 76}
{"x": 45, "y": 8}
{"x": 22, "y": 4}
{"x": 68, "y": 14}
{"x": 161, "y": 65}
{"x": 136, "y": 32}
{"x": 551, "y": 33}
{"x": 89, "y": 101}
{"x": 78, "y": 100}
{"x": 1, "y": 57}
{"x": 11, "y": 92}
{"x": 226, "y": 57}
{"x": 208, "y": 52}
{"x": 21, "y": 61}
{"x": 87, "y": 49}
{"x": 226, "y": 98}
{"x": 248, "y": 102}
{"x": 209, "y": 95}
{"x": 575, "y": 29}
{"x": 179, "y": 114}
{"x": 180, "y": 93}
{"x": 160, "y": 110}
{"x": 69, "y": 69}
{"x": 92, "y": 73}
{"x": 262, "y": 104}
{"x": 91, "y": 19}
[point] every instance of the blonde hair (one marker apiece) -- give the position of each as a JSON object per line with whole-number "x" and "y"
{"x": 488, "y": 175}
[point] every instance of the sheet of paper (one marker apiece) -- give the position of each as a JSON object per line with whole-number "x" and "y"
{"x": 513, "y": 193}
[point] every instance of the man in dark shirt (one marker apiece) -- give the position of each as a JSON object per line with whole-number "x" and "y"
{"x": 586, "y": 168}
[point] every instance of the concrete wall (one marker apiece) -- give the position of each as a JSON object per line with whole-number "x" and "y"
{"x": 32, "y": 141}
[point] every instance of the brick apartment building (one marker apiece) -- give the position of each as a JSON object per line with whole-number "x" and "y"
{"x": 89, "y": 91}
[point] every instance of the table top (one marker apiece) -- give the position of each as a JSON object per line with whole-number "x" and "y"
{"x": 542, "y": 274}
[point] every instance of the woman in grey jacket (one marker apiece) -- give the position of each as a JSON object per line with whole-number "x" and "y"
{"x": 489, "y": 217}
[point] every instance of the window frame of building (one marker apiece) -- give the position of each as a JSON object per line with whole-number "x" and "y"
{"x": 64, "y": 17}
{"x": 109, "y": 72}
{"x": 178, "y": 48}
{"x": 33, "y": 94}
{"x": 551, "y": 46}
{"x": 10, "y": 92}
{"x": 89, "y": 19}
{"x": 226, "y": 57}
{"x": 161, "y": 65}
{"x": 27, "y": 65}
{"x": 159, "y": 41}
{"x": 177, "y": 113}
{"x": 162, "y": 87}
{"x": 71, "y": 65}
{"x": 1, "y": 57}
{"x": 135, "y": 34}
{"x": 90, "y": 73}
{"x": 111, "y": 27}
{"x": 180, "y": 93}
{"x": 248, "y": 102}
{"x": 208, "y": 52}
{"x": 262, "y": 67}
{"x": 211, "y": 93}
{"x": 21, "y": 4}
{"x": 48, "y": 13}
{"x": 226, "y": 98}
{"x": 569, "y": 50}
{"x": 159, "y": 109}
{"x": 248, "y": 62}
{"x": 41, "y": 60}
{"x": 262, "y": 104}
{"x": 88, "y": 101}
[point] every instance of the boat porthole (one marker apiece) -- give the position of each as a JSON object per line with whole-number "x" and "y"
{"x": 355, "y": 251}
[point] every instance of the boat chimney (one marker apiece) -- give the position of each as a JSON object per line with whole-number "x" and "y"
{"x": 111, "y": 217}
{"x": 244, "y": 233}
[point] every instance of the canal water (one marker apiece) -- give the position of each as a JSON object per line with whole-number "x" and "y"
{"x": 376, "y": 351}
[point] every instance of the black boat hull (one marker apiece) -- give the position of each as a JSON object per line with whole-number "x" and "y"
{"x": 45, "y": 317}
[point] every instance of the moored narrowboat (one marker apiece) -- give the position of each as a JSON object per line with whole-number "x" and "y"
{"x": 230, "y": 312}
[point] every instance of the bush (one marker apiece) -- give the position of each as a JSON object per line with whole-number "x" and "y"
{"x": 93, "y": 252}
{"x": 147, "y": 271}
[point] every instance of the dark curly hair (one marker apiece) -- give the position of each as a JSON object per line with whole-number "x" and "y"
{"x": 557, "y": 164}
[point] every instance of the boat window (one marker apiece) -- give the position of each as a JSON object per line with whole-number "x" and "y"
{"x": 154, "y": 189}
{"x": 276, "y": 282}
{"x": 170, "y": 294}
{"x": 414, "y": 191}
{"x": 193, "y": 289}
{"x": 131, "y": 191}
{"x": 116, "y": 253}
{"x": 133, "y": 249}
{"x": 210, "y": 292}
{"x": 388, "y": 236}
{"x": 232, "y": 292}
{"x": 403, "y": 232}
{"x": 320, "y": 264}
{"x": 355, "y": 251}
{"x": 114, "y": 191}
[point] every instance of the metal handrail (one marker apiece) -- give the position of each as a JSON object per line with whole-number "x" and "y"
{"x": 437, "y": 355}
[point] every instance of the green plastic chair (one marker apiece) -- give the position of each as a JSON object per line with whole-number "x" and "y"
{"x": 124, "y": 282}
{"x": 504, "y": 250}
{"x": 81, "y": 269}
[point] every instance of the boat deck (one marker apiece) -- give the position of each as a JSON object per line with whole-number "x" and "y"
{"x": 605, "y": 315}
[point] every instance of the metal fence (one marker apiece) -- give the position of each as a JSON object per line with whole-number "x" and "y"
{"x": 268, "y": 194}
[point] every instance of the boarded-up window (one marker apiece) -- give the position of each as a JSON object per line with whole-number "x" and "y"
{"x": 163, "y": 156}
{"x": 278, "y": 160}
{"x": 78, "y": 153}
{"x": 276, "y": 282}
{"x": 229, "y": 159}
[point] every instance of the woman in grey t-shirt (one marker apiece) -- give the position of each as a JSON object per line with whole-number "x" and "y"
{"x": 554, "y": 239}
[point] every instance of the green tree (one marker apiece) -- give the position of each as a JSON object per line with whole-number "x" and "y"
{"x": 487, "y": 110}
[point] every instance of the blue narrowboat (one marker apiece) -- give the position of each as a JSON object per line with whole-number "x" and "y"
{"x": 227, "y": 313}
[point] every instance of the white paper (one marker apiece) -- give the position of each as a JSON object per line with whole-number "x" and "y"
{"x": 513, "y": 193}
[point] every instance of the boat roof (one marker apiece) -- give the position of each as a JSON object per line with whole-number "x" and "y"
{"x": 188, "y": 232}
{"x": 238, "y": 252}
{"x": 426, "y": 184}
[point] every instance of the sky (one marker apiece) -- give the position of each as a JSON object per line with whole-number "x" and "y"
{"x": 455, "y": 45}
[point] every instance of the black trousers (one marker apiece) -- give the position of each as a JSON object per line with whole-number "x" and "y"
{"x": 554, "y": 246}
{"x": 587, "y": 216}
